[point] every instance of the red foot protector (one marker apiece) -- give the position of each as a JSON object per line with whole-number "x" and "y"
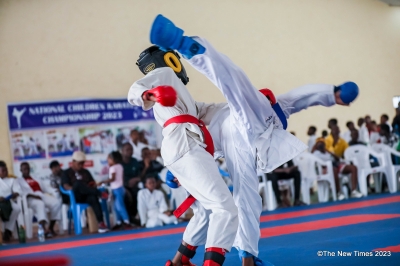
{"x": 184, "y": 206}
{"x": 214, "y": 257}
{"x": 37, "y": 261}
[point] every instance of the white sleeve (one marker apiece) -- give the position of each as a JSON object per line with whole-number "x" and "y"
{"x": 16, "y": 188}
{"x": 142, "y": 208}
{"x": 305, "y": 96}
{"x": 157, "y": 77}
{"x": 163, "y": 205}
{"x": 208, "y": 110}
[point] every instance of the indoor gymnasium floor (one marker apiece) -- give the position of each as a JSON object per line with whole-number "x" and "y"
{"x": 340, "y": 233}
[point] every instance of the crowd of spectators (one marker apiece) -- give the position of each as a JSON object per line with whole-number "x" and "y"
{"x": 134, "y": 168}
{"x": 139, "y": 199}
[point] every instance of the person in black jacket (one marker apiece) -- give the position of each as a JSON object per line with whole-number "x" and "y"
{"x": 82, "y": 183}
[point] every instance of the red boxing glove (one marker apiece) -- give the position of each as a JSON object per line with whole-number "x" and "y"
{"x": 165, "y": 95}
{"x": 269, "y": 94}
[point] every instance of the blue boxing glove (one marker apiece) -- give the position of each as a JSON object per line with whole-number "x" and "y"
{"x": 169, "y": 180}
{"x": 169, "y": 37}
{"x": 348, "y": 92}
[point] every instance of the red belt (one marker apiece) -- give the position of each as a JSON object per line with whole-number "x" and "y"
{"x": 180, "y": 119}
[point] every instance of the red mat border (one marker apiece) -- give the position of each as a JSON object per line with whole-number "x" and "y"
{"x": 266, "y": 232}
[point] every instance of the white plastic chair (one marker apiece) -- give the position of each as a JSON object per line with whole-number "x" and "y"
{"x": 265, "y": 188}
{"x": 359, "y": 156}
{"x": 314, "y": 171}
{"x": 20, "y": 220}
{"x": 393, "y": 169}
{"x": 306, "y": 167}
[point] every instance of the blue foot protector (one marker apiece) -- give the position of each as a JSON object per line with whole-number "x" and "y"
{"x": 169, "y": 37}
{"x": 257, "y": 261}
{"x": 348, "y": 92}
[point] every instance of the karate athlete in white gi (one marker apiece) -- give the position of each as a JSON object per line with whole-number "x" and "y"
{"x": 152, "y": 208}
{"x": 247, "y": 130}
{"x": 183, "y": 149}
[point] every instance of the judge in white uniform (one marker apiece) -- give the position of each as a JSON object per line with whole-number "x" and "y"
{"x": 247, "y": 130}
{"x": 40, "y": 196}
{"x": 9, "y": 190}
{"x": 152, "y": 208}
{"x": 183, "y": 148}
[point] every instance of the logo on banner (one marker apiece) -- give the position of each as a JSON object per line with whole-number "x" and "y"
{"x": 18, "y": 115}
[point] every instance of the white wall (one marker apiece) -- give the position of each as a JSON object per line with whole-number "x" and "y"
{"x": 56, "y": 49}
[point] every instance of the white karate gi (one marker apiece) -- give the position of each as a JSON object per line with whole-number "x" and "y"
{"x": 8, "y": 186}
{"x": 184, "y": 155}
{"x": 248, "y": 134}
{"x": 48, "y": 200}
{"x": 151, "y": 208}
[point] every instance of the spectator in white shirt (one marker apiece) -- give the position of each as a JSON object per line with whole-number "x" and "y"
{"x": 363, "y": 131}
{"x": 153, "y": 210}
{"x": 347, "y": 135}
{"x": 312, "y": 130}
{"x": 9, "y": 191}
{"x": 40, "y": 196}
{"x": 137, "y": 145}
{"x": 387, "y": 137}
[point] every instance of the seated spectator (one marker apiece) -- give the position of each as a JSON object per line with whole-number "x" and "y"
{"x": 347, "y": 135}
{"x": 137, "y": 145}
{"x": 131, "y": 179}
{"x": 55, "y": 179}
{"x": 312, "y": 130}
{"x": 324, "y": 134}
{"x": 39, "y": 197}
{"x": 374, "y": 136}
{"x": 387, "y": 137}
{"x": 368, "y": 121}
{"x": 153, "y": 210}
{"x": 332, "y": 122}
{"x": 9, "y": 191}
{"x": 338, "y": 168}
{"x": 396, "y": 122}
{"x": 334, "y": 143}
{"x": 156, "y": 156}
{"x": 354, "y": 139}
{"x": 142, "y": 137}
{"x": 283, "y": 172}
{"x": 116, "y": 181}
{"x": 363, "y": 131}
{"x": 81, "y": 182}
{"x": 148, "y": 166}
{"x": 385, "y": 120}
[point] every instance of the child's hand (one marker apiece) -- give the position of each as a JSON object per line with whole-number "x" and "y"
{"x": 100, "y": 183}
